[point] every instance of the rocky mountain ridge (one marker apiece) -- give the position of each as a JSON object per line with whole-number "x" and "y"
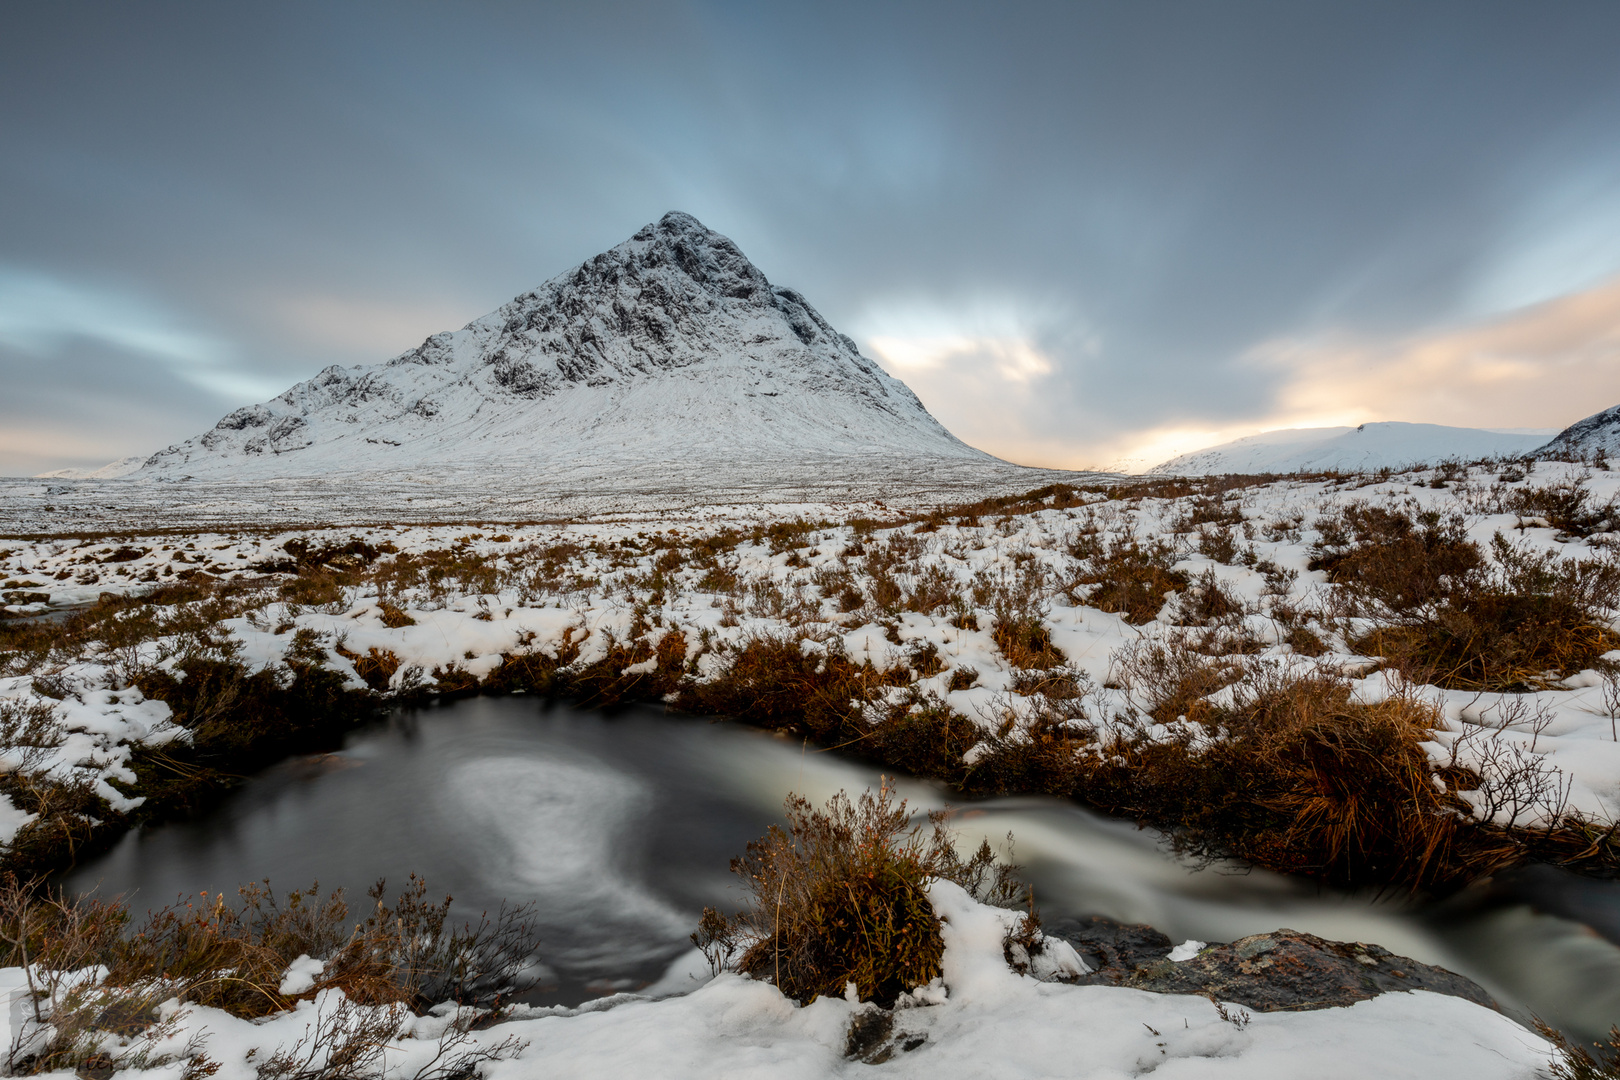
{"x": 1599, "y": 432}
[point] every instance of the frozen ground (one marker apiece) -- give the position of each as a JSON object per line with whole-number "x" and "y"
{"x": 634, "y": 487}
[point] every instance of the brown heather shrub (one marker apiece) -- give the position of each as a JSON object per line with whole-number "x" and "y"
{"x": 1169, "y": 678}
{"x": 1207, "y": 510}
{"x": 1510, "y": 624}
{"x": 771, "y": 682}
{"x": 1132, "y": 578}
{"x": 1392, "y": 560}
{"x": 1206, "y": 601}
{"x": 232, "y": 955}
{"x": 1576, "y": 1062}
{"x": 1447, "y": 615}
{"x": 1565, "y": 505}
{"x": 932, "y": 590}
{"x": 839, "y": 897}
{"x": 1306, "y": 781}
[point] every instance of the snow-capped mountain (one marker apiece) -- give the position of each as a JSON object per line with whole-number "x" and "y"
{"x": 671, "y": 346}
{"x": 1371, "y": 446}
{"x": 1584, "y": 438}
{"x": 110, "y": 471}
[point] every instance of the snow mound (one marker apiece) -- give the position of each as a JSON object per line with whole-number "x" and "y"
{"x": 110, "y": 471}
{"x": 1601, "y": 431}
{"x": 670, "y": 347}
{"x": 1390, "y": 444}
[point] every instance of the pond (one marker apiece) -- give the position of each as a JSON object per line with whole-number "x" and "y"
{"x": 620, "y": 828}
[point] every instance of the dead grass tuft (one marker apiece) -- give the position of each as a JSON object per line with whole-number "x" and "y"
{"x": 839, "y": 898}
{"x": 1446, "y": 614}
{"x": 1576, "y": 1062}
{"x": 1129, "y": 577}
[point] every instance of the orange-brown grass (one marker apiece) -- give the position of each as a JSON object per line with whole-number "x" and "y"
{"x": 1576, "y": 1062}
{"x": 1131, "y": 578}
{"x": 1025, "y": 642}
{"x": 1307, "y": 780}
{"x": 1447, "y": 615}
{"x": 375, "y": 667}
{"x": 232, "y": 954}
{"x": 1566, "y": 506}
{"x": 838, "y": 897}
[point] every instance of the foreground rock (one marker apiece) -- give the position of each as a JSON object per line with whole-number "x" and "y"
{"x": 1283, "y": 971}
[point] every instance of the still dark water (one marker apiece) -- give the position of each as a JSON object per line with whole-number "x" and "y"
{"x": 619, "y": 829}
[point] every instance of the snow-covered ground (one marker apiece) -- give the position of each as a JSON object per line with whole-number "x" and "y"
{"x": 979, "y": 1019}
{"x": 1388, "y": 445}
{"x": 616, "y": 487}
{"x": 595, "y": 593}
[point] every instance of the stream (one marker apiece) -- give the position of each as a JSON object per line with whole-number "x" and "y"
{"x": 620, "y": 828}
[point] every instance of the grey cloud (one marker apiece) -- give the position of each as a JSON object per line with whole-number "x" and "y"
{"x": 86, "y": 404}
{"x": 1159, "y": 187}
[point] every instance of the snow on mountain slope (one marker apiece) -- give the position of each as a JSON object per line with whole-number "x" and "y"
{"x": 670, "y": 347}
{"x": 1600, "y": 431}
{"x": 110, "y": 471}
{"x": 1370, "y": 446}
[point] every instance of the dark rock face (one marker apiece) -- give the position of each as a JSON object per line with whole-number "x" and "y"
{"x": 1283, "y": 971}
{"x": 1112, "y": 950}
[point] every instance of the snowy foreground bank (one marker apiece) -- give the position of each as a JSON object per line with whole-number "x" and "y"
{"x": 979, "y": 1020}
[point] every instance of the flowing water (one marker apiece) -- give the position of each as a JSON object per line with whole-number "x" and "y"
{"x": 619, "y": 829}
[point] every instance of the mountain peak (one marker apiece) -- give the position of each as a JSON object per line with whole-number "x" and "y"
{"x": 671, "y": 346}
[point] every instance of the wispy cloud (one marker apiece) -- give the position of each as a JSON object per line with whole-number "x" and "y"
{"x": 40, "y": 315}
{"x": 1546, "y": 365}
{"x": 372, "y": 329}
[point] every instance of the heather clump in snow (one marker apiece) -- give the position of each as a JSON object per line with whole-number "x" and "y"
{"x": 103, "y": 991}
{"x": 837, "y": 903}
{"x": 1443, "y": 613}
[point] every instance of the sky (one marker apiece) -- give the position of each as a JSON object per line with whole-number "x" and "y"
{"x": 1084, "y": 233}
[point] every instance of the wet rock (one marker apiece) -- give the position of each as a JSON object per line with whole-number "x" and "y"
{"x": 1281, "y": 971}
{"x": 1113, "y": 950}
{"x": 868, "y": 1035}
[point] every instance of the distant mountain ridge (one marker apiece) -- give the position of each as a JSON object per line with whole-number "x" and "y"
{"x": 1390, "y": 444}
{"x": 670, "y": 346}
{"x": 110, "y": 471}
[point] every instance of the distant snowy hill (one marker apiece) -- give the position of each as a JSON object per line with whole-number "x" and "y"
{"x": 672, "y": 347}
{"x": 1370, "y": 446}
{"x": 112, "y": 470}
{"x": 1600, "y": 431}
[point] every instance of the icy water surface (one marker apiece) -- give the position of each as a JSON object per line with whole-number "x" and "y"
{"x": 620, "y": 829}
